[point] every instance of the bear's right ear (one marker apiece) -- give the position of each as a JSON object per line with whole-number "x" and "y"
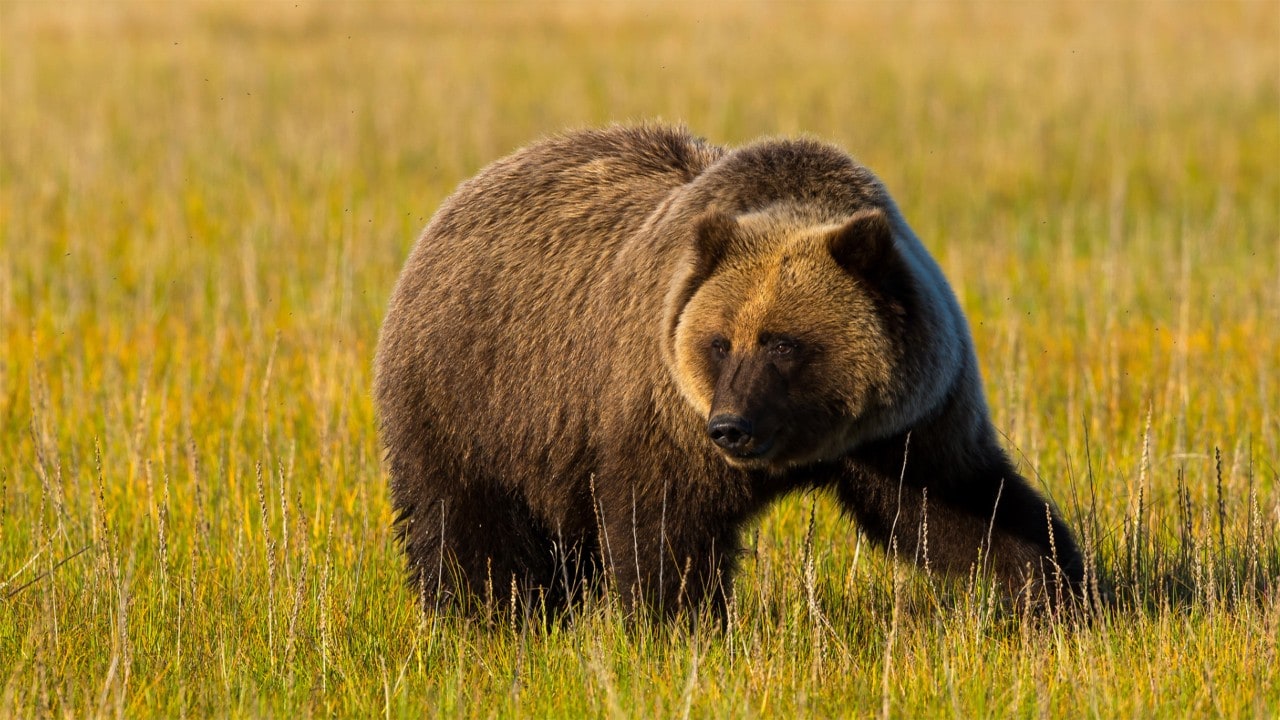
{"x": 714, "y": 233}
{"x": 863, "y": 243}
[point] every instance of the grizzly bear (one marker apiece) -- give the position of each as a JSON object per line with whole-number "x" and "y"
{"x": 612, "y": 349}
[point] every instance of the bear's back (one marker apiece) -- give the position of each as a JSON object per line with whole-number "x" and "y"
{"x": 591, "y": 181}
{"x": 512, "y": 304}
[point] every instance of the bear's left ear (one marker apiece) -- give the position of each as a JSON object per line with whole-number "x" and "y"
{"x": 714, "y": 234}
{"x": 863, "y": 243}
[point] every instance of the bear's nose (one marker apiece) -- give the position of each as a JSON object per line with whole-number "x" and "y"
{"x": 731, "y": 432}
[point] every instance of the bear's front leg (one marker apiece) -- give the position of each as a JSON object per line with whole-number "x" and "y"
{"x": 666, "y": 552}
{"x": 951, "y": 518}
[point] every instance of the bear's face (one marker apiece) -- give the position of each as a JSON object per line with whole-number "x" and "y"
{"x": 789, "y": 341}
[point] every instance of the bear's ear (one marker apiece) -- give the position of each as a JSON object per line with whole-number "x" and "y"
{"x": 714, "y": 233}
{"x": 863, "y": 243}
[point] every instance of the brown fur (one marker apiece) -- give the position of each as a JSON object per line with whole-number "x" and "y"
{"x": 576, "y": 314}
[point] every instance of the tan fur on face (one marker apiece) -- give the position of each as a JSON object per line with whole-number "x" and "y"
{"x": 788, "y": 284}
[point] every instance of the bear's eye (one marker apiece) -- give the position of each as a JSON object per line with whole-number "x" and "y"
{"x": 720, "y": 348}
{"x": 782, "y": 348}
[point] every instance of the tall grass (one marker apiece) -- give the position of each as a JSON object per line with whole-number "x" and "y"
{"x": 203, "y": 208}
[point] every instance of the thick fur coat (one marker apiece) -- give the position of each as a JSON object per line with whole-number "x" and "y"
{"x": 610, "y": 350}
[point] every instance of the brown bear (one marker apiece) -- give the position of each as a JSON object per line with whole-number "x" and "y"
{"x": 610, "y": 350}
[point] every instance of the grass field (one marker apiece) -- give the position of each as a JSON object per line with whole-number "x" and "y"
{"x": 203, "y": 208}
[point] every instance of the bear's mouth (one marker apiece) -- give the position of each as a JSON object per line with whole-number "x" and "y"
{"x": 755, "y": 455}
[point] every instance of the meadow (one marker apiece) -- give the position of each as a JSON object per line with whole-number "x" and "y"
{"x": 204, "y": 206}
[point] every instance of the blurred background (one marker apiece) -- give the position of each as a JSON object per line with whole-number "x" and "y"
{"x": 1099, "y": 180}
{"x": 204, "y": 206}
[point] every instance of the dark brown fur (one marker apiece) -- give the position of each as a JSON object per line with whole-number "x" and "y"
{"x": 546, "y": 374}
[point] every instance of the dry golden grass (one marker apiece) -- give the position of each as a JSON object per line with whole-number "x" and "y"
{"x": 203, "y": 207}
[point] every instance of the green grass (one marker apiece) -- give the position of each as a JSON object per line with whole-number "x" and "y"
{"x": 203, "y": 208}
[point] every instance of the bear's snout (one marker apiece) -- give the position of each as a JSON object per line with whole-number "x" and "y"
{"x": 735, "y": 434}
{"x": 731, "y": 432}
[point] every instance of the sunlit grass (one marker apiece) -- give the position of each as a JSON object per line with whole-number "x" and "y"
{"x": 203, "y": 208}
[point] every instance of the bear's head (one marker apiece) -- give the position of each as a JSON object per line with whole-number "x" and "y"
{"x": 790, "y": 337}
